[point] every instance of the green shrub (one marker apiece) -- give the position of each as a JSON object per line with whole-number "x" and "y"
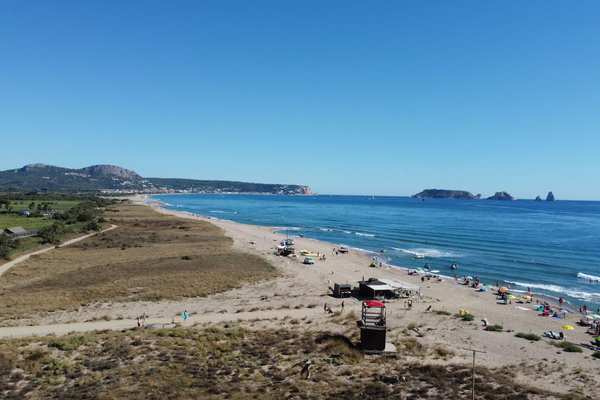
{"x": 529, "y": 336}
{"x": 569, "y": 347}
{"x": 494, "y": 328}
{"x": 596, "y": 354}
{"x": 68, "y": 343}
{"x": 468, "y": 317}
{"x": 51, "y": 234}
{"x": 6, "y": 245}
{"x": 92, "y": 226}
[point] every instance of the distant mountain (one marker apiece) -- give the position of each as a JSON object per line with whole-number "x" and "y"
{"x": 114, "y": 179}
{"x": 501, "y": 196}
{"x": 445, "y": 194}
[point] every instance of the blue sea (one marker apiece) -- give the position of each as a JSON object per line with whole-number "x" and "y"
{"x": 551, "y": 247}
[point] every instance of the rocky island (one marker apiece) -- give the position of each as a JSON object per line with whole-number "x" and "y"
{"x": 445, "y": 194}
{"x": 501, "y": 196}
{"x": 550, "y": 197}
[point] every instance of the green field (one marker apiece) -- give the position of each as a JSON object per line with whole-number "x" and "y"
{"x": 10, "y": 220}
{"x": 58, "y": 205}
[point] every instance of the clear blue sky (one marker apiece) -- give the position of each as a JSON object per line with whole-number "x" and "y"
{"x": 346, "y": 96}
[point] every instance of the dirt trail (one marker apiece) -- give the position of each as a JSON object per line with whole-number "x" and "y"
{"x": 63, "y": 329}
{"x": 10, "y": 264}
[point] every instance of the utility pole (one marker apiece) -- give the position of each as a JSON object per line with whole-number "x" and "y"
{"x": 475, "y": 351}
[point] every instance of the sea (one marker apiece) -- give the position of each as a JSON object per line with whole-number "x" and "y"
{"x": 552, "y": 248}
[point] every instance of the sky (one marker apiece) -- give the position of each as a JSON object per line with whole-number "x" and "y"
{"x": 349, "y": 97}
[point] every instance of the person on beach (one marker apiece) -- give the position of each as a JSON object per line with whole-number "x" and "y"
{"x": 342, "y": 305}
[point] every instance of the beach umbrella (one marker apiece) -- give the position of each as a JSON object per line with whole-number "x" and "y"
{"x": 568, "y": 327}
{"x": 503, "y": 289}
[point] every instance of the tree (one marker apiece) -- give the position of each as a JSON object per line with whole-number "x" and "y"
{"x": 52, "y": 233}
{"x": 92, "y": 226}
{"x": 6, "y": 245}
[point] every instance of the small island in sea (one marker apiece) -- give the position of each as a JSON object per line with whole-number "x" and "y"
{"x": 445, "y": 194}
{"x": 501, "y": 196}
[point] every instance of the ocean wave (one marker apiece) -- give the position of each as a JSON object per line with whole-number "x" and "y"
{"x": 424, "y": 252}
{"x": 363, "y": 250}
{"x": 287, "y": 228}
{"x": 364, "y": 234}
{"x": 577, "y": 294}
{"x": 588, "y": 277}
{"x": 222, "y": 212}
{"x": 326, "y": 229}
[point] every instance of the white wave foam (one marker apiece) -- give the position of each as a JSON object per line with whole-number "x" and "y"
{"x": 587, "y": 277}
{"x": 326, "y": 229}
{"x": 577, "y": 294}
{"x": 347, "y": 232}
{"x": 424, "y": 252}
{"x": 222, "y": 212}
{"x": 364, "y": 234}
{"x": 287, "y": 228}
{"x": 363, "y": 250}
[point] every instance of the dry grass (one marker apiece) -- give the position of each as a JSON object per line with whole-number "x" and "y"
{"x": 229, "y": 362}
{"x": 149, "y": 257}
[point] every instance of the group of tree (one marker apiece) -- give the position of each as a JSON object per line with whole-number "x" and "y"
{"x": 7, "y": 244}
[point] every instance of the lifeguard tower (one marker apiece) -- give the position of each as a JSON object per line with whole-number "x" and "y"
{"x": 372, "y": 326}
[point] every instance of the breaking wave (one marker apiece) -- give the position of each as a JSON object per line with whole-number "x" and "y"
{"x": 587, "y": 277}
{"x": 577, "y": 294}
{"x": 364, "y": 234}
{"x": 424, "y": 252}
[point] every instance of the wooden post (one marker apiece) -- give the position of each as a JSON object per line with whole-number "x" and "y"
{"x": 473, "y": 377}
{"x": 473, "y": 372}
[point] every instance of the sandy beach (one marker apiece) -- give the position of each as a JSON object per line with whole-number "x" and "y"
{"x": 301, "y": 292}
{"x": 540, "y": 362}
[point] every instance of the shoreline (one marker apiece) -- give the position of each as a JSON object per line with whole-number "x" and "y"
{"x": 163, "y": 207}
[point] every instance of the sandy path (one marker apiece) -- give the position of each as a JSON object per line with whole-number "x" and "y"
{"x": 10, "y": 264}
{"x": 63, "y": 329}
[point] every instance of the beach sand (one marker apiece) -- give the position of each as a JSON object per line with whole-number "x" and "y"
{"x": 540, "y": 362}
{"x": 302, "y": 291}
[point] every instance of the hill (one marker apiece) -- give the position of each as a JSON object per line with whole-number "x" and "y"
{"x": 114, "y": 179}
